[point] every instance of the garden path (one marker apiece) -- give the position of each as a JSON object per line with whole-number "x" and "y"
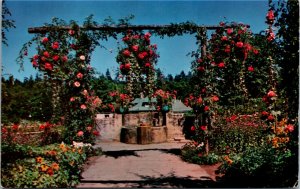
{"x": 152, "y": 165}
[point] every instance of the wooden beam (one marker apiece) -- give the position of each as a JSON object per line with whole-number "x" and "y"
{"x": 45, "y": 29}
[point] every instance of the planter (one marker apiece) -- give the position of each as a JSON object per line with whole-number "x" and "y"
{"x": 158, "y": 134}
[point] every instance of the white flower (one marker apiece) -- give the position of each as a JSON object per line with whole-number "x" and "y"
{"x": 82, "y": 57}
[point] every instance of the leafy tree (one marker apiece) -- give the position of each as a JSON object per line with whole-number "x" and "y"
{"x": 6, "y": 23}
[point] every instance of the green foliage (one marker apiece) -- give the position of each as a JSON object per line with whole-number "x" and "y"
{"x": 6, "y": 23}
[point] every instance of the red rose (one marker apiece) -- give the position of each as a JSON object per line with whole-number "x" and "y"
{"x": 4, "y": 130}
{"x": 201, "y": 69}
{"x": 215, "y": 98}
{"x": 42, "y": 127}
{"x": 193, "y": 128}
{"x": 222, "y": 24}
{"x": 203, "y": 90}
{"x": 199, "y": 60}
{"x": 127, "y": 66}
{"x": 206, "y": 108}
{"x": 71, "y": 32}
{"x": 136, "y": 37}
{"x": 43, "y": 59}
{"x": 89, "y": 128}
{"x": 45, "y": 40}
{"x": 250, "y": 69}
{"x": 224, "y": 38}
{"x": 221, "y": 65}
{"x": 271, "y": 117}
{"x": 126, "y": 52}
{"x": 55, "y": 45}
{"x": 271, "y": 94}
{"x": 34, "y": 63}
{"x": 227, "y": 49}
{"x": 50, "y": 171}
{"x": 46, "y": 54}
{"x": 148, "y": 65}
{"x": 64, "y": 58}
{"x": 79, "y": 75}
{"x": 55, "y": 57}
{"x": 151, "y": 52}
{"x": 80, "y": 133}
{"x": 270, "y": 15}
{"x": 199, "y": 100}
{"x": 121, "y": 66}
{"x": 126, "y": 38}
{"x": 147, "y": 36}
{"x": 289, "y": 128}
{"x": 255, "y": 51}
{"x": 203, "y": 127}
{"x": 96, "y": 133}
{"x": 48, "y": 66}
{"x": 264, "y": 113}
{"x": 15, "y": 127}
{"x": 135, "y": 48}
{"x": 239, "y": 44}
{"x": 35, "y": 57}
{"x": 229, "y": 31}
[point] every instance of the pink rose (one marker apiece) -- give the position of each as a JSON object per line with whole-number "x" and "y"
{"x": 289, "y": 128}
{"x": 76, "y": 84}
{"x": 79, "y": 75}
{"x": 34, "y": 63}
{"x": 82, "y": 57}
{"x": 64, "y": 58}
{"x": 215, "y": 98}
{"x": 72, "y": 99}
{"x": 80, "y": 133}
{"x": 201, "y": 69}
{"x": 193, "y": 128}
{"x": 83, "y": 106}
{"x": 224, "y": 38}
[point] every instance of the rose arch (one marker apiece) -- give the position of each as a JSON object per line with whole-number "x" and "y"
{"x": 64, "y": 51}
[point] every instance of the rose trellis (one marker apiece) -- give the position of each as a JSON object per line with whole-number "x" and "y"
{"x": 64, "y": 52}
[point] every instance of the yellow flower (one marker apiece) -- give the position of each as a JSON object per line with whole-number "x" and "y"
{"x": 39, "y": 159}
{"x": 44, "y": 168}
{"x": 62, "y": 146}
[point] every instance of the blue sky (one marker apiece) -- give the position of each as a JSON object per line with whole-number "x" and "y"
{"x": 172, "y": 51}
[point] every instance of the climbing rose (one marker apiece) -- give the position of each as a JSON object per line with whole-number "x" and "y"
{"x": 224, "y": 38}
{"x": 289, "y": 128}
{"x": 271, "y": 94}
{"x": 199, "y": 100}
{"x": 83, "y": 106}
{"x": 215, "y": 98}
{"x": 82, "y": 57}
{"x": 55, "y": 57}
{"x": 239, "y": 44}
{"x": 147, "y": 64}
{"x": 65, "y": 58}
{"x": 79, "y": 75}
{"x": 35, "y": 57}
{"x": 255, "y": 51}
{"x": 34, "y": 63}
{"x": 127, "y": 66}
{"x": 206, "y": 108}
{"x": 221, "y": 65}
{"x": 250, "y": 69}
{"x": 201, "y": 69}
{"x": 126, "y": 52}
{"x": 76, "y": 84}
{"x": 80, "y": 133}
{"x": 271, "y": 117}
{"x": 270, "y": 15}
{"x": 96, "y": 133}
{"x": 193, "y": 128}
{"x": 71, "y": 32}
{"x": 229, "y": 31}
{"x": 48, "y": 66}
{"x": 72, "y": 99}
{"x": 45, "y": 40}
{"x": 46, "y": 54}
{"x": 55, "y": 45}
{"x": 89, "y": 128}
{"x": 135, "y": 48}
{"x": 203, "y": 127}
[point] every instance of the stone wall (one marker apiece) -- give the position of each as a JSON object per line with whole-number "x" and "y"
{"x": 109, "y": 125}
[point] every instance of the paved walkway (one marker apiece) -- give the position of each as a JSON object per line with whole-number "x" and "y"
{"x": 153, "y": 165}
